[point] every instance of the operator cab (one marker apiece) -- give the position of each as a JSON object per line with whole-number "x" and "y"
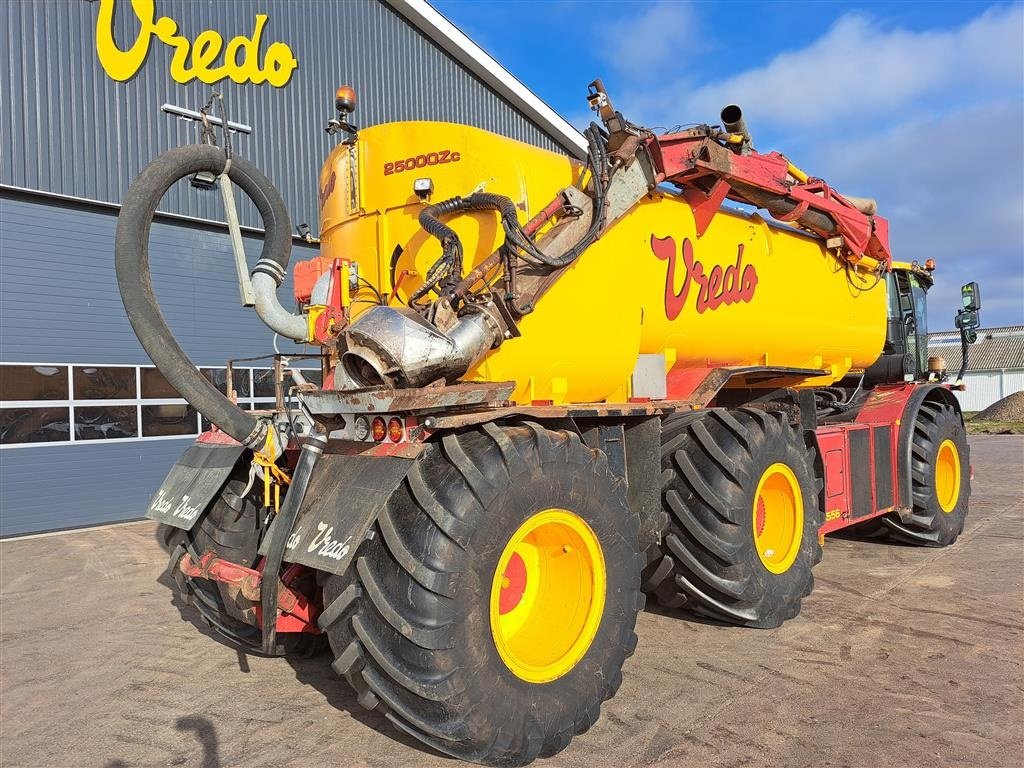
{"x": 908, "y": 318}
{"x": 905, "y": 354}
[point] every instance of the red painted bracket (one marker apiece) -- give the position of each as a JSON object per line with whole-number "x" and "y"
{"x": 297, "y": 613}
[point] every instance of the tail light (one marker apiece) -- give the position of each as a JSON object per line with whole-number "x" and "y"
{"x": 396, "y": 431}
{"x": 378, "y": 429}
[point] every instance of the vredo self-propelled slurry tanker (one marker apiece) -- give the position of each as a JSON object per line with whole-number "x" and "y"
{"x": 548, "y": 387}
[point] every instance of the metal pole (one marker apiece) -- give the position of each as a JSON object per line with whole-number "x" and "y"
{"x": 244, "y": 284}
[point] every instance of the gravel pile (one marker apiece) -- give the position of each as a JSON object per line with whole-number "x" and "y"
{"x": 1010, "y": 408}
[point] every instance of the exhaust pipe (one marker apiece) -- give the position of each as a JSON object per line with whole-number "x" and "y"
{"x": 396, "y": 347}
{"x": 732, "y": 121}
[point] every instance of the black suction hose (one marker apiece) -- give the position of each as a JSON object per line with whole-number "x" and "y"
{"x": 131, "y": 262}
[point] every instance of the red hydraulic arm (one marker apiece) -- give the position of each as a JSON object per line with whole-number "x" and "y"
{"x": 713, "y": 165}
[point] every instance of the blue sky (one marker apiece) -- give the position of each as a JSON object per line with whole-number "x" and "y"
{"x": 918, "y": 104}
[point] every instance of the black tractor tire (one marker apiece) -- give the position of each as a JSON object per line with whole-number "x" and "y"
{"x": 712, "y": 461}
{"x": 232, "y": 527}
{"x": 168, "y": 537}
{"x": 929, "y": 525}
{"x": 410, "y": 623}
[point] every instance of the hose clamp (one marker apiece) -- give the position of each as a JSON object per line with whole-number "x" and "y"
{"x": 271, "y": 268}
{"x": 257, "y": 439}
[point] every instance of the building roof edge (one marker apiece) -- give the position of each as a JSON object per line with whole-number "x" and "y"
{"x": 435, "y": 26}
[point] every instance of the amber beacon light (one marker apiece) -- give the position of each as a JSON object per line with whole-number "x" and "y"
{"x": 345, "y": 99}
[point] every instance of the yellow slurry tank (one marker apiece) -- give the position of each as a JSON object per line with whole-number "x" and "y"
{"x": 744, "y": 293}
{"x": 547, "y": 386}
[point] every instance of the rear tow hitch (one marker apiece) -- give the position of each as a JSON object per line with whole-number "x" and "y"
{"x": 296, "y": 612}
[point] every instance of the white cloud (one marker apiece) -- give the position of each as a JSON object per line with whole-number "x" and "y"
{"x": 931, "y": 123}
{"x": 943, "y": 176}
{"x": 952, "y": 193}
{"x": 656, "y": 39}
{"x": 857, "y": 73}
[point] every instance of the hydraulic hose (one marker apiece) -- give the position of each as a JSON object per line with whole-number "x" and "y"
{"x": 447, "y": 271}
{"x": 131, "y": 262}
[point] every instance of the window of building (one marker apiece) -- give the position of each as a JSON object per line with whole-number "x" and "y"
{"x": 106, "y": 422}
{"x": 33, "y": 382}
{"x": 34, "y": 425}
{"x": 104, "y": 383}
{"x": 169, "y": 419}
{"x": 60, "y": 403}
{"x": 154, "y": 385}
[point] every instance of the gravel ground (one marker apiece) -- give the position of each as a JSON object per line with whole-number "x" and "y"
{"x": 902, "y": 657}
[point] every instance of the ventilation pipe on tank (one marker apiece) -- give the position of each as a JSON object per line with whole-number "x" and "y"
{"x": 733, "y": 122}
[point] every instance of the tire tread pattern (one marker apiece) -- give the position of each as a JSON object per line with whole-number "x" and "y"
{"x": 928, "y": 525}
{"x": 390, "y": 619}
{"x": 712, "y": 460}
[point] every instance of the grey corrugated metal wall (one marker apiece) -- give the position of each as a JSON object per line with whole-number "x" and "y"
{"x": 79, "y": 133}
{"x": 987, "y": 387}
{"x": 59, "y": 304}
{"x": 58, "y": 292}
{"x": 67, "y": 128}
{"x": 51, "y": 487}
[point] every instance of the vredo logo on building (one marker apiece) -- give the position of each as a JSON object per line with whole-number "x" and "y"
{"x": 733, "y": 284}
{"x": 206, "y": 58}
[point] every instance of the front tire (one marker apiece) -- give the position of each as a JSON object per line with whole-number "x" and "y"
{"x": 940, "y": 477}
{"x": 741, "y": 495}
{"x": 424, "y": 625}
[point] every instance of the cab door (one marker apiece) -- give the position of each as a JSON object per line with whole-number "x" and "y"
{"x": 908, "y": 302}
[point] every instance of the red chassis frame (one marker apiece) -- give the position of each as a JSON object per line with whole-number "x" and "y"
{"x": 296, "y": 611}
{"x": 861, "y": 468}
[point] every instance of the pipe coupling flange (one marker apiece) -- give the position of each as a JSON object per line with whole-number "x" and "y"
{"x": 257, "y": 439}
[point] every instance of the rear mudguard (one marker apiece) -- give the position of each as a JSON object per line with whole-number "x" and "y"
{"x": 193, "y": 482}
{"x": 345, "y": 494}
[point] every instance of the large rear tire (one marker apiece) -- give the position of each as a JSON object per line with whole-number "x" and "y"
{"x": 940, "y": 480}
{"x": 480, "y": 657}
{"x": 741, "y": 495}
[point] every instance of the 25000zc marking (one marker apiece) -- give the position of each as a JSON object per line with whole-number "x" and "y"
{"x": 422, "y": 161}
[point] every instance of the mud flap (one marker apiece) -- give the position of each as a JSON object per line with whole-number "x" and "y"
{"x": 192, "y": 483}
{"x": 344, "y": 497}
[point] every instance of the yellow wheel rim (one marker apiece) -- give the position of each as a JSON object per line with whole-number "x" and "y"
{"x": 547, "y": 595}
{"x": 947, "y": 476}
{"x": 778, "y": 518}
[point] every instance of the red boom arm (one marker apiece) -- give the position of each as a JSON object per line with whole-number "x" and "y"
{"x": 712, "y": 171}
